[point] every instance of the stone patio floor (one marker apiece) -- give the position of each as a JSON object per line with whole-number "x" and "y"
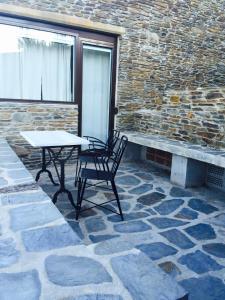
{"x": 183, "y": 231}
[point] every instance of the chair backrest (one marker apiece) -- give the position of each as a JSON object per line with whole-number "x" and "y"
{"x": 118, "y": 153}
{"x": 112, "y": 139}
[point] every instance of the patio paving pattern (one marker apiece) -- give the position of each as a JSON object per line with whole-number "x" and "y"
{"x": 183, "y": 231}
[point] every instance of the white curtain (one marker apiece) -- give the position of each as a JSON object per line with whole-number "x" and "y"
{"x": 96, "y": 91}
{"x": 35, "y": 65}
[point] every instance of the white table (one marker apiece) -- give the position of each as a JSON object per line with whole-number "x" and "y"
{"x": 48, "y": 141}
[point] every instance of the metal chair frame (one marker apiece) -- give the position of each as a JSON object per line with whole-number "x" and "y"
{"x": 86, "y": 174}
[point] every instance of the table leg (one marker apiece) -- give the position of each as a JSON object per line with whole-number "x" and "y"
{"x": 62, "y": 188}
{"x": 44, "y": 168}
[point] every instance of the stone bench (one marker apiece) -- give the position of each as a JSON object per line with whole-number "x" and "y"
{"x": 41, "y": 257}
{"x": 189, "y": 161}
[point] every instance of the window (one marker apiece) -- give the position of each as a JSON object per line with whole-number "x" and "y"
{"x": 36, "y": 64}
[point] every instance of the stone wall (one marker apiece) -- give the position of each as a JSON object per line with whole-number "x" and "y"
{"x": 16, "y": 117}
{"x": 172, "y": 57}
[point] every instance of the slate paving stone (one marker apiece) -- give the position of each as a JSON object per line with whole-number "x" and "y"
{"x": 75, "y": 270}
{"x": 3, "y": 182}
{"x": 144, "y": 176}
{"x": 131, "y": 227}
{"x": 128, "y": 216}
{"x": 199, "y": 262}
{"x": 139, "y": 207}
{"x": 212, "y": 288}
{"x": 124, "y": 205}
{"x": 170, "y": 268}
{"x": 112, "y": 246}
{"x": 167, "y": 207}
{"x": 127, "y": 180}
{"x": 177, "y": 238}
{"x": 102, "y": 237}
{"x": 151, "y": 211}
{"x": 19, "y": 198}
{"x": 159, "y": 189}
{"x": 141, "y": 189}
{"x": 201, "y": 231}
{"x": 33, "y": 215}
{"x": 105, "y": 211}
{"x": 8, "y": 253}
{"x": 186, "y": 213}
{"x": 157, "y": 250}
{"x": 144, "y": 280}
{"x": 202, "y": 206}
{"x": 83, "y": 214}
{"x": 98, "y": 297}
{"x": 179, "y": 192}
{"x": 219, "y": 220}
{"x": 216, "y": 249}
{"x": 95, "y": 224}
{"x": 76, "y": 227}
{"x": 151, "y": 198}
{"x": 47, "y": 238}
{"x": 163, "y": 222}
{"x": 20, "y": 286}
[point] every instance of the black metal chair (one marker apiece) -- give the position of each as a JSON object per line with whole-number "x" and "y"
{"x": 96, "y": 148}
{"x": 98, "y": 174}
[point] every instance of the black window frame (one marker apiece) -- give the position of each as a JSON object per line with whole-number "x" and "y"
{"x": 79, "y": 34}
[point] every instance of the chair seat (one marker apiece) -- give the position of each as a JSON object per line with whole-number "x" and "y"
{"x": 96, "y": 175}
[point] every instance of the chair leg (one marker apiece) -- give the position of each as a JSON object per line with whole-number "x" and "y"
{"x": 78, "y": 168}
{"x": 80, "y": 195}
{"x": 117, "y": 198}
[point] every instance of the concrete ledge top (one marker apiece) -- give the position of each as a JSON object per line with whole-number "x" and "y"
{"x": 60, "y": 19}
{"x": 41, "y": 257}
{"x": 197, "y": 152}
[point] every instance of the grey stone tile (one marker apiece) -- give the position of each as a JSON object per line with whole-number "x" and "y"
{"x": 75, "y": 271}
{"x": 178, "y": 238}
{"x": 157, "y": 250}
{"x": 201, "y": 231}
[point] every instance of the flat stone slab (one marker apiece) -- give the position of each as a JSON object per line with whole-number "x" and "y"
{"x": 130, "y": 227}
{"x": 75, "y": 271}
{"x": 202, "y": 206}
{"x": 151, "y": 198}
{"x": 112, "y": 246}
{"x": 141, "y": 189}
{"x": 199, "y": 262}
{"x": 186, "y": 213}
{"x": 127, "y": 180}
{"x": 8, "y": 253}
{"x": 157, "y": 250}
{"x": 128, "y": 216}
{"x": 144, "y": 176}
{"x": 20, "y": 286}
{"x": 164, "y": 223}
{"x": 97, "y": 297}
{"x": 144, "y": 280}
{"x": 167, "y": 207}
{"x": 219, "y": 220}
{"x": 102, "y": 237}
{"x": 179, "y": 192}
{"x": 216, "y": 249}
{"x": 170, "y": 268}
{"x": 204, "y": 288}
{"x": 182, "y": 148}
{"x": 47, "y": 238}
{"x": 201, "y": 231}
{"x": 25, "y": 197}
{"x": 33, "y": 215}
{"x": 95, "y": 224}
{"x": 177, "y": 238}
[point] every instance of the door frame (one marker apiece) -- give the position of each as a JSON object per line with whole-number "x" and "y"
{"x": 98, "y": 40}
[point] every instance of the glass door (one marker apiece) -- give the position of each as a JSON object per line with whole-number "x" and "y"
{"x": 96, "y": 91}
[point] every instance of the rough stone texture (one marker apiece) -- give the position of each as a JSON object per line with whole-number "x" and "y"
{"x": 8, "y": 253}
{"x": 171, "y": 70}
{"x": 144, "y": 280}
{"x": 23, "y": 286}
{"x": 35, "y": 117}
{"x": 177, "y": 238}
{"x": 157, "y": 250}
{"x": 74, "y": 271}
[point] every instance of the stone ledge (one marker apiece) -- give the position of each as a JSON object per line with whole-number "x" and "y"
{"x": 188, "y": 150}
{"x": 60, "y": 19}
